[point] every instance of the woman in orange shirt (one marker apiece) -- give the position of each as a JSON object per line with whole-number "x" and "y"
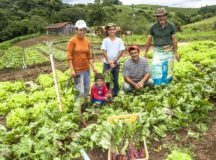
{"x": 80, "y": 60}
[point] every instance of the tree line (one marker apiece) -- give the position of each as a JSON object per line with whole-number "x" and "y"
{"x": 21, "y": 17}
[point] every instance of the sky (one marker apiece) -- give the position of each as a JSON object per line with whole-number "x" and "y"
{"x": 170, "y": 3}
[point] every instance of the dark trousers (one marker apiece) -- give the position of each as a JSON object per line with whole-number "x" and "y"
{"x": 115, "y": 74}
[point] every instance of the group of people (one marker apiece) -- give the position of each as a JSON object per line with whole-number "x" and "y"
{"x": 136, "y": 69}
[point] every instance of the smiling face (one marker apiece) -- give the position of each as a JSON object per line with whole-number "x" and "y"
{"x": 162, "y": 19}
{"x": 134, "y": 53}
{"x": 111, "y": 31}
{"x": 81, "y": 32}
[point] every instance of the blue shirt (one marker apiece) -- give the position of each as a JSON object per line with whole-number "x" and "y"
{"x": 112, "y": 47}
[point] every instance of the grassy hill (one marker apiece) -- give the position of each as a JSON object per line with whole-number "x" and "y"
{"x": 201, "y": 30}
{"x": 188, "y": 11}
{"x": 204, "y": 25}
{"x": 140, "y": 17}
{"x": 152, "y": 8}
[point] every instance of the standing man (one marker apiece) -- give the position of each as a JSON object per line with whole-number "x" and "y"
{"x": 165, "y": 48}
{"x": 136, "y": 71}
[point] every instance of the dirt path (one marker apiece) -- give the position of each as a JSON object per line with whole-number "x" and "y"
{"x": 206, "y": 148}
{"x": 30, "y": 73}
{"x": 33, "y": 41}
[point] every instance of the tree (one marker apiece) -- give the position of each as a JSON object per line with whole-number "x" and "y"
{"x": 71, "y": 14}
{"x": 198, "y": 17}
{"x": 115, "y": 2}
{"x": 37, "y": 24}
{"x": 184, "y": 19}
{"x": 3, "y": 19}
{"x": 96, "y": 15}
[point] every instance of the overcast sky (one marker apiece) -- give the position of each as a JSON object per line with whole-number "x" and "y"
{"x": 171, "y": 3}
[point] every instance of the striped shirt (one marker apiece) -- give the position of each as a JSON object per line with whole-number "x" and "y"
{"x": 136, "y": 71}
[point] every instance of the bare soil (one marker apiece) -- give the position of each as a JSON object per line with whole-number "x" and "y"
{"x": 30, "y": 73}
{"x": 33, "y": 41}
{"x": 204, "y": 148}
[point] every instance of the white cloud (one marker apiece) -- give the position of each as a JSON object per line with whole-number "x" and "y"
{"x": 171, "y": 3}
{"x": 78, "y": 1}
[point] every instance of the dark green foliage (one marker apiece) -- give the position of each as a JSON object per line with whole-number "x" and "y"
{"x": 21, "y": 17}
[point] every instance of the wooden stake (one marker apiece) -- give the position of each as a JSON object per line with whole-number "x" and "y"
{"x": 56, "y": 82}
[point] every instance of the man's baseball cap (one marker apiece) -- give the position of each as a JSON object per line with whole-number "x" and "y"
{"x": 133, "y": 47}
{"x": 81, "y": 24}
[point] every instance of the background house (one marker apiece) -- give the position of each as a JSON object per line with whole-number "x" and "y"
{"x": 63, "y": 28}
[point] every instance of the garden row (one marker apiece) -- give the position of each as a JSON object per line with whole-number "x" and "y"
{"x": 35, "y": 129}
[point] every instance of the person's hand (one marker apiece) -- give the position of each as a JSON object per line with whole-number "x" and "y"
{"x": 177, "y": 57}
{"x": 113, "y": 65}
{"x": 110, "y": 62}
{"x": 105, "y": 98}
{"x": 95, "y": 71}
{"x": 140, "y": 84}
{"x": 73, "y": 74}
{"x": 109, "y": 96}
{"x": 136, "y": 87}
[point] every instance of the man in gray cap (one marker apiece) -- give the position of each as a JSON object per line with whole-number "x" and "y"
{"x": 164, "y": 39}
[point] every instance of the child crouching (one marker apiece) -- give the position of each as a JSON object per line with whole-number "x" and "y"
{"x": 99, "y": 91}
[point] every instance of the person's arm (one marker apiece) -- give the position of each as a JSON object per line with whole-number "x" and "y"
{"x": 95, "y": 94}
{"x": 131, "y": 82}
{"x": 145, "y": 79}
{"x": 71, "y": 68}
{"x": 146, "y": 76}
{"x": 106, "y": 91}
{"x": 121, "y": 48}
{"x": 104, "y": 51}
{"x": 91, "y": 61}
{"x": 106, "y": 57}
{"x": 174, "y": 44}
{"x": 126, "y": 74}
{"x": 147, "y": 45}
{"x": 117, "y": 57}
{"x": 70, "y": 50}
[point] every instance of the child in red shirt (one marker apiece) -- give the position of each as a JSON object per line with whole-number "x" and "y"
{"x": 99, "y": 91}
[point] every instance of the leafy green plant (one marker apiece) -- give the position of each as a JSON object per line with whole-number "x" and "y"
{"x": 17, "y": 117}
{"x": 178, "y": 155}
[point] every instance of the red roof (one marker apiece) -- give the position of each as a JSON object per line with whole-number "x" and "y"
{"x": 57, "y": 25}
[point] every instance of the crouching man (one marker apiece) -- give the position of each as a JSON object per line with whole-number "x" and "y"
{"x": 136, "y": 71}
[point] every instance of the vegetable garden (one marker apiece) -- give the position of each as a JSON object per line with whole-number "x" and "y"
{"x": 33, "y": 128}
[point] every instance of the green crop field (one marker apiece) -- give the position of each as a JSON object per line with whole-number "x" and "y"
{"x": 35, "y": 129}
{"x": 174, "y": 121}
{"x": 13, "y": 58}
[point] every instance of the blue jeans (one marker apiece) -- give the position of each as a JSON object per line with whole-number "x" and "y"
{"x": 98, "y": 101}
{"x": 115, "y": 74}
{"x": 82, "y": 84}
{"x": 128, "y": 88}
